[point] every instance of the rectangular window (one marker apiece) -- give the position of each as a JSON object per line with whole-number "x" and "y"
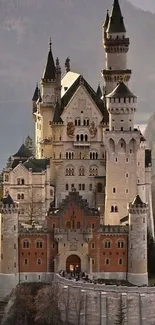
{"x": 107, "y": 261}
{"x": 26, "y": 261}
{"x": 120, "y": 261}
{"x": 93, "y": 245}
{"x": 93, "y": 261}
{"x": 15, "y": 264}
{"x": 79, "y": 187}
{"x": 93, "y": 225}
{"x": 53, "y": 245}
{"x": 14, "y": 246}
{"x": 143, "y": 220}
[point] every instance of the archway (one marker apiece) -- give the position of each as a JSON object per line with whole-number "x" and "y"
{"x": 73, "y": 263}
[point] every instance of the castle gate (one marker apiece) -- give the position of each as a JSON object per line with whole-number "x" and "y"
{"x": 73, "y": 262}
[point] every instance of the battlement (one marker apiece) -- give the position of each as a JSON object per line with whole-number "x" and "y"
{"x": 114, "y": 229}
{"x": 31, "y": 229}
{"x": 9, "y": 208}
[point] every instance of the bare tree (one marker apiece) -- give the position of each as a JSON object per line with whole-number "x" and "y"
{"x": 46, "y": 305}
{"x": 32, "y": 209}
{"x": 78, "y": 306}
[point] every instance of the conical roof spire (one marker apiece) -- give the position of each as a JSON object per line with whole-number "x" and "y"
{"x": 36, "y": 93}
{"x": 116, "y": 23}
{"x": 50, "y": 70}
{"x": 105, "y": 23}
{"x": 99, "y": 91}
{"x": 121, "y": 91}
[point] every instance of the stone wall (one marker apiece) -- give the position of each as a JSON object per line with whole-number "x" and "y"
{"x": 101, "y": 303}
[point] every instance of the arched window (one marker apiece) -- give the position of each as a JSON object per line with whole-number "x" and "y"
{"x": 69, "y": 155}
{"x": 67, "y": 187}
{"x": 68, "y": 225}
{"x": 107, "y": 261}
{"x": 107, "y": 244}
{"x": 87, "y": 122}
{"x": 26, "y": 244}
{"x": 18, "y": 196}
{"x": 81, "y": 137}
{"x": 76, "y": 122}
{"x": 93, "y": 171}
{"x": 116, "y": 209}
{"x": 120, "y": 244}
{"x": 86, "y": 137}
{"x": 93, "y": 155}
{"x": 70, "y": 171}
{"x": 81, "y": 171}
{"x": 39, "y": 261}
{"x": 112, "y": 208}
{"x": 84, "y": 122}
{"x": 79, "y": 122}
{"x": 99, "y": 188}
{"x": 78, "y": 225}
{"x": 22, "y": 196}
{"x": 77, "y": 137}
{"x": 39, "y": 244}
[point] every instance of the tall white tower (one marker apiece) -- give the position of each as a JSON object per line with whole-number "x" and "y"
{"x": 116, "y": 46}
{"x": 137, "y": 248}
{"x": 122, "y": 142}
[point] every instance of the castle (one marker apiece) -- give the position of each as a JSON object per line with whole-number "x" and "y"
{"x": 84, "y": 200}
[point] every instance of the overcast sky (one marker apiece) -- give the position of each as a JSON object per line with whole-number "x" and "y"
{"x": 144, "y": 4}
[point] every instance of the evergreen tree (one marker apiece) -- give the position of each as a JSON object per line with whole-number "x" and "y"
{"x": 29, "y": 144}
{"x": 121, "y": 316}
{"x": 150, "y": 254}
{"x": 9, "y": 162}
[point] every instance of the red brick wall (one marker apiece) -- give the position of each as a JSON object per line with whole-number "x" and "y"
{"x": 32, "y": 254}
{"x": 99, "y": 253}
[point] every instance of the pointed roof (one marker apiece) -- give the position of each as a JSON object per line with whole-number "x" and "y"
{"x": 121, "y": 91}
{"x": 99, "y": 91}
{"x": 8, "y": 200}
{"x": 36, "y": 94}
{"x": 105, "y": 23}
{"x": 50, "y": 69}
{"x": 137, "y": 201}
{"x": 37, "y": 165}
{"x": 116, "y": 23}
{"x": 23, "y": 152}
{"x": 57, "y": 114}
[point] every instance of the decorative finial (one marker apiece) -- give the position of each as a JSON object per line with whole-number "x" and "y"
{"x": 67, "y": 64}
{"x": 50, "y": 44}
{"x": 57, "y": 61}
{"x": 81, "y": 80}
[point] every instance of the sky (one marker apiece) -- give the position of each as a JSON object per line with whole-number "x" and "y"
{"x": 144, "y": 4}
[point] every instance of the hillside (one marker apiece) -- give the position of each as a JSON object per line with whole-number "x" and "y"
{"x": 75, "y": 28}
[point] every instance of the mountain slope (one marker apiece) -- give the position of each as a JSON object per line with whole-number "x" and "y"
{"x": 75, "y": 28}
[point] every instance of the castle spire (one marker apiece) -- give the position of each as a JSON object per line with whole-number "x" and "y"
{"x": 116, "y": 23}
{"x": 50, "y": 70}
{"x": 105, "y": 24}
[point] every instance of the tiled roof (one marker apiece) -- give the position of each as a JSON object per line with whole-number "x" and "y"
{"x": 23, "y": 152}
{"x": 137, "y": 201}
{"x": 8, "y": 200}
{"x": 116, "y": 23}
{"x": 121, "y": 91}
{"x": 37, "y": 165}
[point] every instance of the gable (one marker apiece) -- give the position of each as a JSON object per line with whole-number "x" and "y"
{"x": 81, "y": 101}
{"x": 20, "y": 171}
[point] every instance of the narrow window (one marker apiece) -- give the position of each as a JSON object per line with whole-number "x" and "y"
{"x": 26, "y": 261}
{"x": 120, "y": 261}
{"x": 107, "y": 261}
{"x": 114, "y": 190}
{"x": 93, "y": 261}
{"x": 93, "y": 225}
{"x": 66, "y": 187}
{"x": 93, "y": 245}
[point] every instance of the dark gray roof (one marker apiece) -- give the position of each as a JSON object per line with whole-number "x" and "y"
{"x": 8, "y": 200}
{"x": 37, "y": 165}
{"x": 23, "y": 152}
{"x": 125, "y": 219}
{"x": 57, "y": 114}
{"x": 36, "y": 94}
{"x": 137, "y": 201}
{"x": 116, "y": 23}
{"x": 50, "y": 69}
{"x": 121, "y": 91}
{"x": 105, "y": 23}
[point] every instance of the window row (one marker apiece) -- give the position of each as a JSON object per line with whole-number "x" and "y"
{"x": 108, "y": 244}
{"x": 72, "y": 224}
{"x": 93, "y": 171}
{"x": 82, "y": 137}
{"x": 38, "y": 262}
{"x": 78, "y": 122}
{"x": 108, "y": 261}
{"x": 126, "y": 190}
{"x": 93, "y": 155}
{"x": 82, "y": 187}
{"x": 26, "y": 244}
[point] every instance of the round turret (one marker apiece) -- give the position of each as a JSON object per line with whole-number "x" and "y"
{"x": 137, "y": 249}
{"x": 121, "y": 104}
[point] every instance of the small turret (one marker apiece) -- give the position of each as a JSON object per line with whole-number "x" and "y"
{"x": 121, "y": 104}
{"x": 35, "y": 99}
{"x": 137, "y": 248}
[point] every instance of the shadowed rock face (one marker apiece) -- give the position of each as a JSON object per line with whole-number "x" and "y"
{"x": 75, "y": 28}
